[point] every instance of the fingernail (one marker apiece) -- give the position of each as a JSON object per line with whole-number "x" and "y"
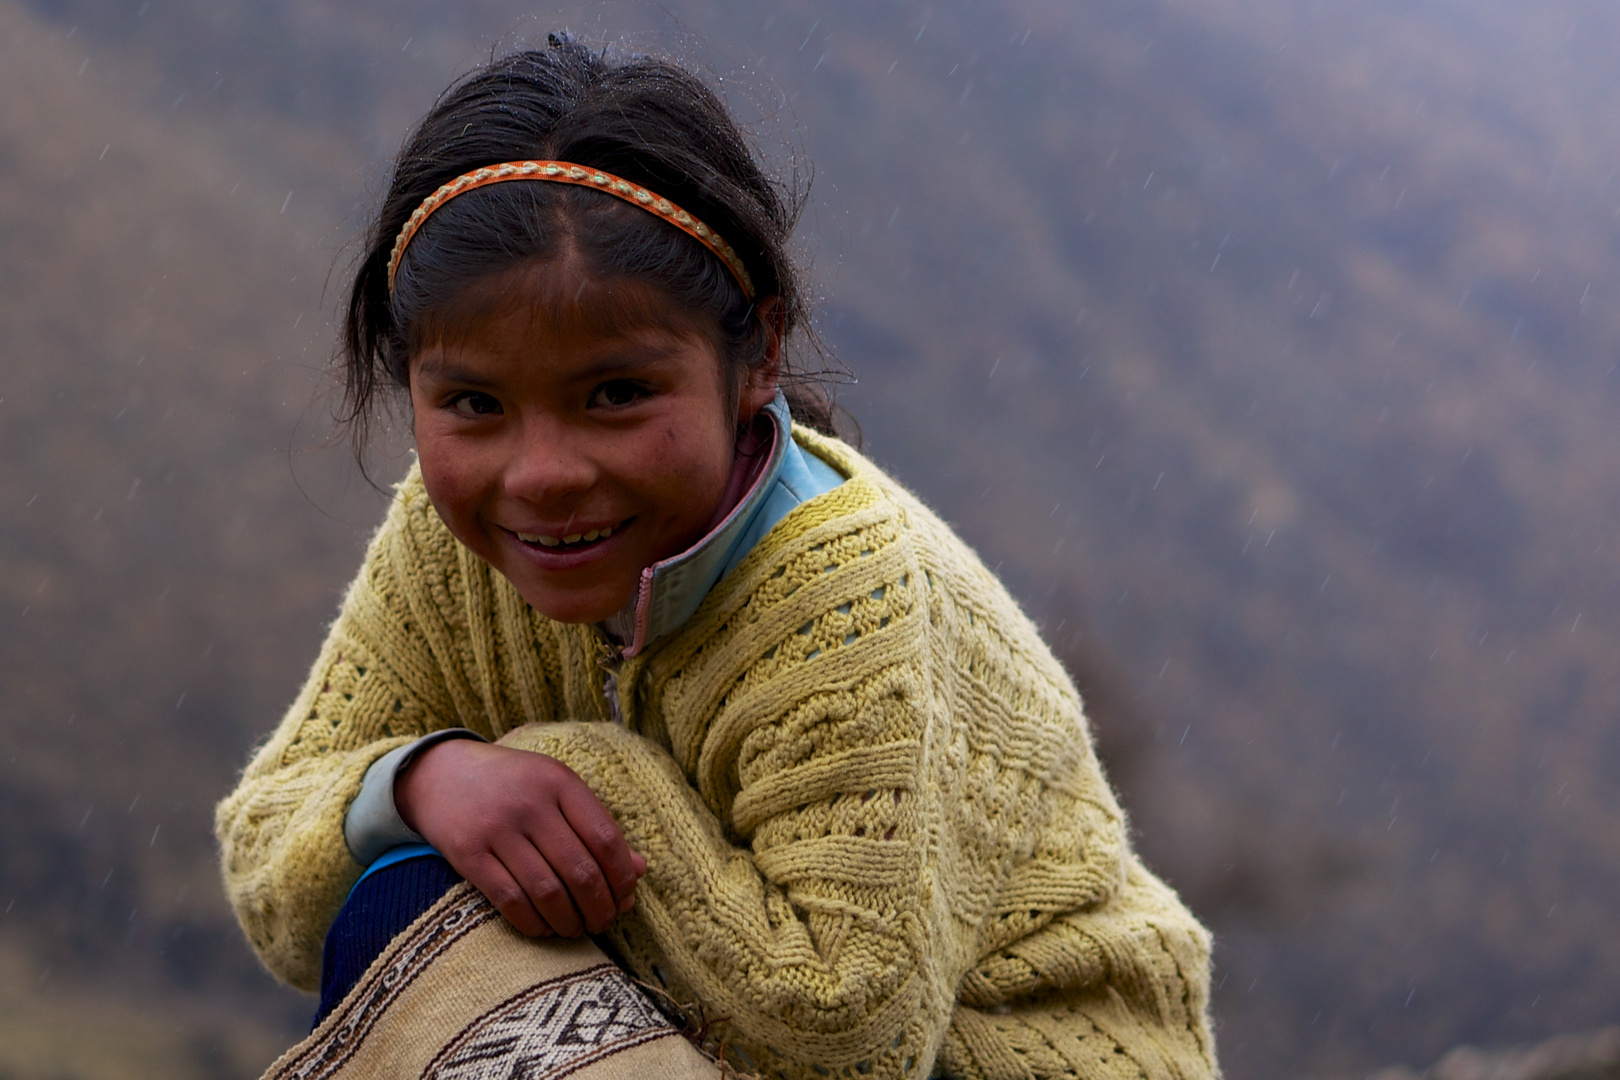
{"x": 628, "y": 902}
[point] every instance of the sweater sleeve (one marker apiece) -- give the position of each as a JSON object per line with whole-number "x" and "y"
{"x": 1118, "y": 991}
{"x": 377, "y": 684}
{"x": 816, "y": 955}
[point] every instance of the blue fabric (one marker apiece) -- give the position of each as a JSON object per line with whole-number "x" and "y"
{"x": 800, "y": 478}
{"x": 391, "y": 895}
{"x": 396, "y": 854}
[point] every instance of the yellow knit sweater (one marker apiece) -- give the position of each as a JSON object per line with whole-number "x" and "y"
{"x": 878, "y": 841}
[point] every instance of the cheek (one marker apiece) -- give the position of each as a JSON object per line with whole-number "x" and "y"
{"x": 452, "y": 481}
{"x": 698, "y": 463}
{"x": 443, "y": 483}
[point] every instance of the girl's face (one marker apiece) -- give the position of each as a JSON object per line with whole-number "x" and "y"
{"x": 572, "y": 432}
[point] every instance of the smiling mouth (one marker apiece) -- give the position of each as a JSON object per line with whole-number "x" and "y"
{"x": 570, "y": 542}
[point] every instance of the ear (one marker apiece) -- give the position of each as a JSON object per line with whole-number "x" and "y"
{"x": 759, "y": 381}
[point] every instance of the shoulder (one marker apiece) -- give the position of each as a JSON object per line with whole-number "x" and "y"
{"x": 411, "y": 519}
{"x": 409, "y": 599}
{"x": 868, "y": 496}
{"x": 861, "y": 619}
{"x": 979, "y": 621}
{"x": 865, "y": 534}
{"x": 412, "y": 546}
{"x": 949, "y": 563}
{"x": 866, "y": 561}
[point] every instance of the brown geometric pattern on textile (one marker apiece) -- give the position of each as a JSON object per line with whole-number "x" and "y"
{"x": 426, "y": 941}
{"x": 552, "y": 1029}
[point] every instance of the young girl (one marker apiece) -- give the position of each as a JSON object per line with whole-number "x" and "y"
{"x": 643, "y": 651}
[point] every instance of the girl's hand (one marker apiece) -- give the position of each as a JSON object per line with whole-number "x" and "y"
{"x": 526, "y": 831}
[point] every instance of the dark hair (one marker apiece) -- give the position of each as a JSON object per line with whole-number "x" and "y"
{"x": 642, "y": 118}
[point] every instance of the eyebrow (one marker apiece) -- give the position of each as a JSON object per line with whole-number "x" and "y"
{"x": 622, "y": 357}
{"x": 439, "y": 367}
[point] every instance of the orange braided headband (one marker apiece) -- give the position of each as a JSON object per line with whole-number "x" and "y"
{"x": 563, "y": 172}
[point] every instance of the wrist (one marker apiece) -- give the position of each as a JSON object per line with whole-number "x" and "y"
{"x": 417, "y": 778}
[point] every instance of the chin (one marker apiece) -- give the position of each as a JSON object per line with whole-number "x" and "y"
{"x": 590, "y": 607}
{"x": 583, "y": 595}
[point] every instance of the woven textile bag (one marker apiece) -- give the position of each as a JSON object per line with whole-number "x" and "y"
{"x": 460, "y": 995}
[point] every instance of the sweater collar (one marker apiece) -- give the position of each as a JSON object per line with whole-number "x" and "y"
{"x": 671, "y": 590}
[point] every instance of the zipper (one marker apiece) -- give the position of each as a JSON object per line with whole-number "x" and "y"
{"x": 610, "y": 690}
{"x": 611, "y": 661}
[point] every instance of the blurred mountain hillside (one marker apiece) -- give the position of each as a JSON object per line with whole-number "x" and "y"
{"x": 1588, "y": 1055}
{"x": 1268, "y": 349}
{"x": 163, "y": 577}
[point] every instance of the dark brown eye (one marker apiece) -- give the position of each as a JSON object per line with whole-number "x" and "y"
{"x": 473, "y": 403}
{"x": 616, "y": 394}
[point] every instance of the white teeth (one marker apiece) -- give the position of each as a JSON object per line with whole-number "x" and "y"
{"x": 572, "y": 538}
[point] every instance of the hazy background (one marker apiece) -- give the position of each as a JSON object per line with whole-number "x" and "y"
{"x": 1268, "y": 347}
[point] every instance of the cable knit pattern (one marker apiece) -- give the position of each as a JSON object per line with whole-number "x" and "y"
{"x": 878, "y": 841}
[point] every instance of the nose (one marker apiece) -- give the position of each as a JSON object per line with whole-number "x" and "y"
{"x": 550, "y": 461}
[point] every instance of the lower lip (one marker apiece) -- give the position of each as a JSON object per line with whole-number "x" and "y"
{"x": 558, "y": 559}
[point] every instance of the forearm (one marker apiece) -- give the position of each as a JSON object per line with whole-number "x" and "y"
{"x": 824, "y": 952}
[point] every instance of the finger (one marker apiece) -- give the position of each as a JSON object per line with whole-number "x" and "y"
{"x": 640, "y": 863}
{"x": 545, "y": 891}
{"x": 574, "y": 865}
{"x": 490, "y": 876}
{"x": 602, "y": 837}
